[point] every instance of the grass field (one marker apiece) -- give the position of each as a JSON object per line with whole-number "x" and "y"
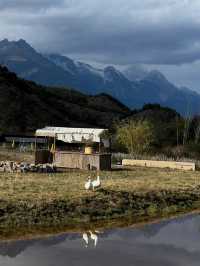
{"x": 15, "y": 155}
{"x": 60, "y": 199}
{"x": 70, "y": 185}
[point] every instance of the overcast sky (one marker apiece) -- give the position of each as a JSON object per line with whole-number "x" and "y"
{"x": 162, "y": 34}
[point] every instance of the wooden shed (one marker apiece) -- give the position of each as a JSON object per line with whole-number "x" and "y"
{"x": 77, "y": 148}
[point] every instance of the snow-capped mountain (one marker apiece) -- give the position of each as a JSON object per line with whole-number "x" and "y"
{"x": 25, "y": 61}
{"x": 135, "y": 72}
{"x": 134, "y": 86}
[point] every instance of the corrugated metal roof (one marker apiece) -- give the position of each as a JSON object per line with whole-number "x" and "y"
{"x": 71, "y": 135}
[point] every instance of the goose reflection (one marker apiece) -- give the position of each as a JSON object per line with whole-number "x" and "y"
{"x": 94, "y": 237}
{"x": 86, "y": 239}
{"x": 91, "y": 236}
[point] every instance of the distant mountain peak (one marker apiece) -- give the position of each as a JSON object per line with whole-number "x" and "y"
{"x": 135, "y": 72}
{"x": 134, "y": 89}
{"x": 13, "y": 48}
{"x": 111, "y": 73}
{"x": 155, "y": 74}
{"x": 19, "y": 42}
{"x": 110, "y": 68}
{"x": 22, "y": 41}
{"x": 4, "y": 41}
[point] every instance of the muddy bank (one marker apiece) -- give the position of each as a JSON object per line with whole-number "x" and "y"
{"x": 104, "y": 205}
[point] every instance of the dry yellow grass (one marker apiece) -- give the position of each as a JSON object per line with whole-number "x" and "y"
{"x": 16, "y": 156}
{"x": 36, "y": 187}
{"x": 151, "y": 179}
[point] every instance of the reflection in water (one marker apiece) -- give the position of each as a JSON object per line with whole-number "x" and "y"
{"x": 94, "y": 237}
{"x": 169, "y": 243}
{"x": 91, "y": 236}
{"x": 86, "y": 239}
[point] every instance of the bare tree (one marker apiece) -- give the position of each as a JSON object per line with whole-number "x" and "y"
{"x": 135, "y": 136}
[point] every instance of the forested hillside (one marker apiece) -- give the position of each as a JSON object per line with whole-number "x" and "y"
{"x": 26, "y": 106}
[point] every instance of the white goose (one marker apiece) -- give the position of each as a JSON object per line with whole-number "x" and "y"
{"x": 86, "y": 239}
{"x": 94, "y": 237}
{"x": 88, "y": 183}
{"x": 96, "y": 183}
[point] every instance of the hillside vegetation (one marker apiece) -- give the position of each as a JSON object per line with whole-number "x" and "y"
{"x": 26, "y": 106}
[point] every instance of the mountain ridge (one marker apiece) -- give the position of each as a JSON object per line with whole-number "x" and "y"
{"x": 59, "y": 70}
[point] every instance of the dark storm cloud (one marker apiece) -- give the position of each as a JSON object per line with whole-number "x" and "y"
{"x": 28, "y": 4}
{"x": 114, "y": 32}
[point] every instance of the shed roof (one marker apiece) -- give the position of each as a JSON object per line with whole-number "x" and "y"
{"x": 71, "y": 135}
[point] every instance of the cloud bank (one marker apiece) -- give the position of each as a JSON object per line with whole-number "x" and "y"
{"x": 122, "y": 32}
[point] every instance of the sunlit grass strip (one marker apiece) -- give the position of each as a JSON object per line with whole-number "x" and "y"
{"x": 34, "y": 186}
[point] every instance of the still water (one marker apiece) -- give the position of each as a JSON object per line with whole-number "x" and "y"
{"x": 172, "y": 242}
